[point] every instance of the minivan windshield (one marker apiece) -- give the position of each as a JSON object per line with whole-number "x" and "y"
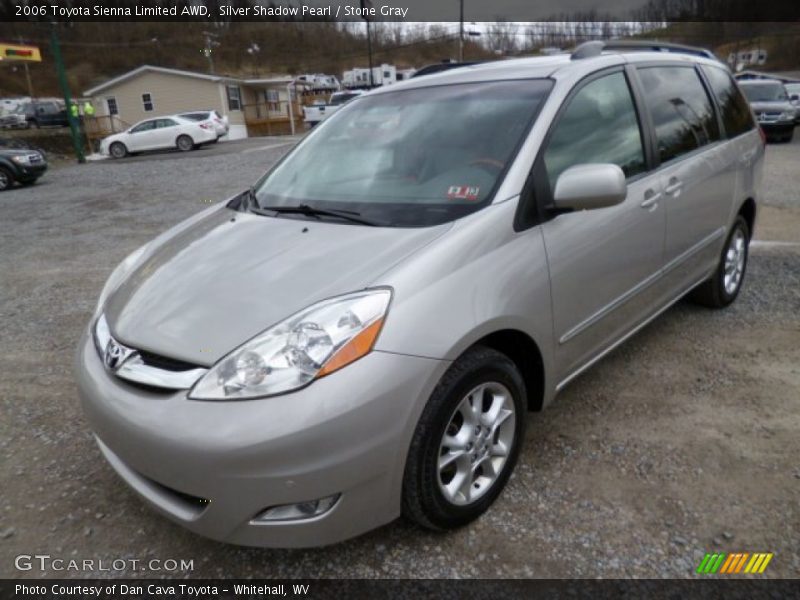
{"x": 409, "y": 158}
{"x": 764, "y": 92}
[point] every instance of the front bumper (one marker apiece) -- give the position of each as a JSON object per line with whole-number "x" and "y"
{"x": 30, "y": 172}
{"x": 346, "y": 434}
{"x": 771, "y": 128}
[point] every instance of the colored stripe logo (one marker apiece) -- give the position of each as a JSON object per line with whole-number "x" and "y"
{"x": 736, "y": 562}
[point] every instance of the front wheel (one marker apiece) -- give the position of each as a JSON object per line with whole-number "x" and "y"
{"x": 6, "y": 179}
{"x": 118, "y": 150}
{"x": 466, "y": 442}
{"x": 724, "y": 285}
{"x": 184, "y": 143}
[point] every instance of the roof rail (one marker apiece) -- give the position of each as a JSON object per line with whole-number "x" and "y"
{"x": 596, "y": 47}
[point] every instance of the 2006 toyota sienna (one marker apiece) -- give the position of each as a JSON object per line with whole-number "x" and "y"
{"x": 360, "y": 335}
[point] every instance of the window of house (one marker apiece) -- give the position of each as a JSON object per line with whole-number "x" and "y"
{"x": 599, "y": 125}
{"x": 273, "y": 100}
{"x": 112, "y": 106}
{"x": 736, "y": 115}
{"x": 681, "y": 109}
{"x": 147, "y": 102}
{"x": 234, "y": 97}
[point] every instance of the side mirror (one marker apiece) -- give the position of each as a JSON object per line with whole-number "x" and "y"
{"x": 584, "y": 187}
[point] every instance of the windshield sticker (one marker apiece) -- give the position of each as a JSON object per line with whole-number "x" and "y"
{"x": 463, "y": 192}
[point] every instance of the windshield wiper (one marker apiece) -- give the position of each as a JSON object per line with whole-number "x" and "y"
{"x": 310, "y": 211}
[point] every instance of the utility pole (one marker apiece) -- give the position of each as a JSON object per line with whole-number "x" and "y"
{"x": 366, "y": 5}
{"x": 27, "y": 75}
{"x": 369, "y": 53}
{"x": 74, "y": 126}
{"x": 208, "y": 49}
{"x": 461, "y": 32}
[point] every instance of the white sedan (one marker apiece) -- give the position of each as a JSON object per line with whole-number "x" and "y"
{"x": 155, "y": 134}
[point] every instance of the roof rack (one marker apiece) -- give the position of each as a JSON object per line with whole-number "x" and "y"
{"x": 442, "y": 66}
{"x": 596, "y": 47}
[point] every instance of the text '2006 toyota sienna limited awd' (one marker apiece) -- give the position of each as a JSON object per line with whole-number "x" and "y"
{"x": 360, "y": 335}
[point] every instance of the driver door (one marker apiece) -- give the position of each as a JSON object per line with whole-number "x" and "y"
{"x": 142, "y": 136}
{"x": 601, "y": 261}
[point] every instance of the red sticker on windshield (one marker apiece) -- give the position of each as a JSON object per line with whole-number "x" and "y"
{"x": 463, "y": 192}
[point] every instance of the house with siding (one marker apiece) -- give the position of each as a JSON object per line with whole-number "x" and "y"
{"x": 259, "y": 106}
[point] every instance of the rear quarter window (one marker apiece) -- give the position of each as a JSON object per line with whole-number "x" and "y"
{"x": 681, "y": 109}
{"x": 736, "y": 116}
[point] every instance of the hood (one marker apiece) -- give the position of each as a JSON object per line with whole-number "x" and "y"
{"x": 17, "y": 151}
{"x": 775, "y": 105}
{"x": 212, "y": 286}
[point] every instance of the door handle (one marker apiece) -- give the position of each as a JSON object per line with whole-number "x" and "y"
{"x": 650, "y": 199}
{"x": 673, "y": 187}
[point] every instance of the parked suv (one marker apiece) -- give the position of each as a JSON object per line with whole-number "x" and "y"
{"x": 771, "y": 105}
{"x": 20, "y": 165}
{"x": 46, "y": 114}
{"x": 361, "y": 334}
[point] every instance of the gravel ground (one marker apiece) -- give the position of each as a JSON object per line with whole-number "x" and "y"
{"x": 683, "y": 441}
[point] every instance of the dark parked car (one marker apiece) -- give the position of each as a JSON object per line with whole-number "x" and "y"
{"x": 44, "y": 114}
{"x": 21, "y": 166}
{"x": 770, "y": 103}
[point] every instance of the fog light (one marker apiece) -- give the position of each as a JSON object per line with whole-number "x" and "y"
{"x": 297, "y": 512}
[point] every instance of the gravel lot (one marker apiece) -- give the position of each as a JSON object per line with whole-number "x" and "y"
{"x": 683, "y": 441}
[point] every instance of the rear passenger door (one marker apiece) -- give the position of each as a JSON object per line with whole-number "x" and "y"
{"x": 695, "y": 172}
{"x": 166, "y": 133}
{"x": 601, "y": 261}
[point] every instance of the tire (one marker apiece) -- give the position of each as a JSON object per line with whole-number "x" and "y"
{"x": 184, "y": 143}
{"x": 718, "y": 291}
{"x": 118, "y": 150}
{"x": 432, "y": 497}
{"x": 6, "y": 179}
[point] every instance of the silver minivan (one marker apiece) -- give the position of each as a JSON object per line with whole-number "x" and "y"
{"x": 360, "y": 335}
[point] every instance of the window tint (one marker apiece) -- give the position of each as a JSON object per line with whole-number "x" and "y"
{"x": 736, "y": 116}
{"x": 144, "y": 126}
{"x": 166, "y": 123}
{"x": 598, "y": 126}
{"x": 682, "y": 113}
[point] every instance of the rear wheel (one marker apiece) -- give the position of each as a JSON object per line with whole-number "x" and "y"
{"x": 6, "y": 179}
{"x": 466, "y": 442}
{"x": 184, "y": 143}
{"x": 118, "y": 150}
{"x": 724, "y": 285}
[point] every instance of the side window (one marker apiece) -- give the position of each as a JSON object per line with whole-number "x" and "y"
{"x": 598, "y": 126}
{"x": 736, "y": 116}
{"x": 145, "y": 126}
{"x": 166, "y": 123}
{"x": 681, "y": 109}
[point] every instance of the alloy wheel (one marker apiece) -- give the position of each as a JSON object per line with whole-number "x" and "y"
{"x": 734, "y": 262}
{"x": 476, "y": 443}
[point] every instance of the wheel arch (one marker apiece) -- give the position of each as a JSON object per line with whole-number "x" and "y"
{"x": 748, "y": 211}
{"x": 524, "y": 352}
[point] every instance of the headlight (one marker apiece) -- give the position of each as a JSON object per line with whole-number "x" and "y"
{"x": 308, "y": 345}
{"x": 118, "y": 274}
{"x": 102, "y": 335}
{"x": 787, "y": 116}
{"x": 24, "y": 159}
